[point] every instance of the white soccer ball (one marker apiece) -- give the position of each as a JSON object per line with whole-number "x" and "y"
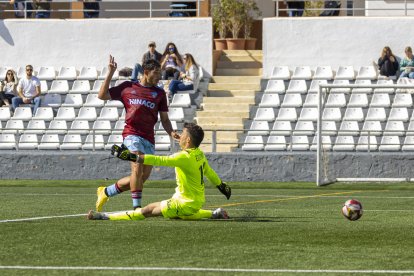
{"x": 352, "y": 209}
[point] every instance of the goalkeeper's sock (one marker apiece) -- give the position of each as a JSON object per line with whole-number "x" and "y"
{"x": 201, "y": 214}
{"x": 113, "y": 190}
{"x": 136, "y": 198}
{"x": 126, "y": 215}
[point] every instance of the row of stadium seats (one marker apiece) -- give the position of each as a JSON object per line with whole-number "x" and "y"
{"x": 324, "y": 73}
{"x": 342, "y": 143}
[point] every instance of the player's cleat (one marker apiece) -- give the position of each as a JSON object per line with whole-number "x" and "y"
{"x": 220, "y": 214}
{"x": 102, "y": 198}
{"x": 92, "y": 215}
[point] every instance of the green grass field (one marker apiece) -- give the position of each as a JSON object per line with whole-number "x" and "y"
{"x": 278, "y": 228}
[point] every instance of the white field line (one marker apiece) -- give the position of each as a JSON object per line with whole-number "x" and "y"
{"x": 41, "y": 218}
{"x": 204, "y": 269}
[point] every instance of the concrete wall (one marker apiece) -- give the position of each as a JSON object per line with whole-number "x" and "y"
{"x": 230, "y": 166}
{"x": 335, "y": 41}
{"x": 80, "y": 42}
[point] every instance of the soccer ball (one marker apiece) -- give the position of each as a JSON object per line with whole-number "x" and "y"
{"x": 352, "y": 209}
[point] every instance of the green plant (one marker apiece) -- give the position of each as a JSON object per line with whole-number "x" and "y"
{"x": 220, "y": 18}
{"x": 235, "y": 10}
{"x": 251, "y": 11}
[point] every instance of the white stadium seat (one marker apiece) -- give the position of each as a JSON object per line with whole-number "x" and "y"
{"x": 394, "y": 128}
{"x": 28, "y": 141}
{"x": 326, "y": 143}
{"x": 66, "y": 113}
{"x": 88, "y": 73}
{"x": 179, "y": 100}
{"x": 44, "y": 113}
{"x": 52, "y": 100}
{"x": 254, "y": 143}
{"x": 275, "y": 86}
{"x": 114, "y": 103}
{"x": 299, "y": 142}
{"x": 297, "y": 86}
{"x": 67, "y": 73}
{"x": 59, "y": 87}
{"x": 14, "y": 126}
{"x": 367, "y": 72}
{"x": 80, "y": 87}
{"x": 79, "y": 127}
{"x": 372, "y": 128}
{"x": 114, "y": 139}
{"x": 104, "y": 72}
{"x": 311, "y": 100}
{"x": 102, "y": 127}
{"x": 35, "y": 127}
{"x": 281, "y": 128}
{"x": 280, "y": 73}
{"x": 308, "y": 114}
{"x": 71, "y": 142}
{"x": 287, "y": 114}
{"x": 362, "y": 90}
{"x": 120, "y": 124}
{"x": 363, "y": 142}
{"x": 348, "y": 128}
{"x": 336, "y": 100}
{"x": 93, "y": 100}
{"x": 57, "y": 127}
{"x": 270, "y": 100}
{"x": 44, "y": 87}
{"x": 408, "y": 143}
{"x": 259, "y": 128}
{"x": 345, "y": 73}
{"x": 302, "y": 73}
{"x": 358, "y": 100}
{"x": 162, "y": 142}
{"x": 87, "y": 113}
{"x": 329, "y": 128}
{"x": 314, "y": 86}
{"x": 49, "y": 142}
{"x": 109, "y": 113}
{"x": 332, "y": 114}
{"x": 96, "y": 86}
{"x": 402, "y": 100}
{"x": 46, "y": 73}
{"x": 73, "y": 100}
{"x": 22, "y": 113}
{"x": 344, "y": 143}
{"x": 275, "y": 143}
{"x": 376, "y": 114}
{"x": 398, "y": 113}
{"x": 390, "y": 143}
{"x": 292, "y": 100}
{"x": 7, "y": 141}
{"x": 5, "y": 113}
{"x": 304, "y": 128}
{"x": 354, "y": 114}
{"x": 323, "y": 73}
{"x": 176, "y": 114}
{"x": 159, "y": 131}
{"x": 380, "y": 100}
{"x": 94, "y": 142}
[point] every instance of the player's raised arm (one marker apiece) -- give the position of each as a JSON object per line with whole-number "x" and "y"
{"x": 103, "y": 91}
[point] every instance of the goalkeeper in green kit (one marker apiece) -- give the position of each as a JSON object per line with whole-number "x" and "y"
{"x": 191, "y": 166}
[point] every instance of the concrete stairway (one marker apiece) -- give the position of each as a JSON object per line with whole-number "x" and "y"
{"x": 230, "y": 93}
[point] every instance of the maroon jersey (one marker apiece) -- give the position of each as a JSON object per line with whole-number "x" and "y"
{"x": 142, "y": 105}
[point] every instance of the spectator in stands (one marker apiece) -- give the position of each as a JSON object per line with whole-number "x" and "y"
{"x": 91, "y": 8}
{"x": 42, "y": 8}
{"x": 28, "y": 90}
{"x": 188, "y": 78}
{"x": 151, "y": 54}
{"x": 296, "y": 8}
{"x": 143, "y": 102}
{"x": 407, "y": 64}
{"x": 171, "y": 62}
{"x": 8, "y": 88}
{"x": 387, "y": 63}
{"x": 19, "y": 8}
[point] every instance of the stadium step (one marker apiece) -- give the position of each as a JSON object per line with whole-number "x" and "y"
{"x": 242, "y": 52}
{"x": 239, "y": 64}
{"x": 219, "y": 107}
{"x": 225, "y": 100}
{"x": 219, "y": 120}
{"x": 239, "y": 72}
{"x": 222, "y": 136}
{"x": 229, "y": 113}
{"x": 241, "y": 58}
{"x": 230, "y": 93}
{"x": 219, "y": 147}
{"x": 236, "y": 79}
{"x": 222, "y": 127}
{"x": 234, "y": 86}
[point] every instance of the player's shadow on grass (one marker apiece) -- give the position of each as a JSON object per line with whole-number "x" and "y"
{"x": 267, "y": 219}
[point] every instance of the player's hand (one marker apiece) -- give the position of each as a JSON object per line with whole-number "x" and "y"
{"x": 175, "y": 135}
{"x": 112, "y": 64}
{"x": 122, "y": 153}
{"x": 225, "y": 189}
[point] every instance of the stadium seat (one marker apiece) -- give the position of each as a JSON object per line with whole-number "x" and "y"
{"x": 46, "y": 73}
{"x": 96, "y": 86}
{"x": 94, "y": 101}
{"x": 57, "y": 127}
{"x": 362, "y": 90}
{"x": 340, "y": 90}
{"x": 80, "y": 87}
{"x": 402, "y": 100}
{"x": 44, "y": 88}
{"x": 363, "y": 143}
{"x": 380, "y": 100}
{"x": 408, "y": 143}
{"x": 326, "y": 143}
{"x": 270, "y": 100}
{"x": 336, "y": 100}
{"x": 104, "y": 72}
{"x": 59, "y": 87}
{"x": 323, "y": 73}
{"x": 265, "y": 114}
{"x": 7, "y": 141}
{"x": 275, "y": 86}
{"x": 71, "y": 142}
{"x": 5, "y": 113}
{"x": 14, "y": 126}
{"x": 390, "y": 143}
{"x": 292, "y": 100}
{"x": 66, "y": 113}
{"x": 88, "y": 73}
{"x": 28, "y": 141}
{"x": 344, "y": 143}
{"x": 109, "y": 113}
{"x": 162, "y": 143}
{"x": 302, "y": 73}
{"x": 311, "y": 100}
{"x": 314, "y": 86}
{"x": 22, "y": 113}
{"x": 44, "y": 113}
{"x": 160, "y": 129}
{"x": 87, "y": 113}
{"x": 376, "y": 114}
{"x": 94, "y": 142}
{"x": 332, "y": 114}
{"x": 280, "y": 73}
{"x": 367, "y": 72}
{"x": 79, "y": 127}
{"x": 308, "y": 114}
{"x": 398, "y": 113}
{"x": 394, "y": 128}
{"x": 102, "y": 127}
{"x": 275, "y": 143}
{"x": 354, "y": 114}
{"x": 281, "y": 128}
{"x": 358, "y": 100}
{"x": 349, "y": 128}
{"x": 299, "y": 142}
{"x": 73, "y": 100}
{"x": 176, "y": 114}
{"x": 385, "y": 90}
{"x": 21, "y": 73}
{"x": 345, "y": 73}
{"x": 120, "y": 124}
{"x": 304, "y": 128}
{"x": 114, "y": 103}
{"x": 114, "y": 139}
{"x": 253, "y": 143}
{"x": 49, "y": 142}
{"x": 179, "y": 100}
{"x": 329, "y": 128}
{"x": 67, "y": 73}
{"x": 372, "y": 128}
{"x": 297, "y": 86}
{"x": 35, "y": 126}
{"x": 410, "y": 129}
{"x": 52, "y": 100}
{"x": 124, "y": 113}
{"x": 258, "y": 128}
{"x": 287, "y": 114}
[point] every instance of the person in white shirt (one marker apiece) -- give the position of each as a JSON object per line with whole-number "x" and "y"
{"x": 187, "y": 79}
{"x": 28, "y": 90}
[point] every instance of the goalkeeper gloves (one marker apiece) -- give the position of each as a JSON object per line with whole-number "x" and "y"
{"x": 225, "y": 189}
{"x": 123, "y": 153}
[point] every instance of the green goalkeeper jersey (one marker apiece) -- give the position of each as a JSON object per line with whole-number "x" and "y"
{"x": 191, "y": 166}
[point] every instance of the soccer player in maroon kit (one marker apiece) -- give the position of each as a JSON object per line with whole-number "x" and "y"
{"x": 142, "y": 101}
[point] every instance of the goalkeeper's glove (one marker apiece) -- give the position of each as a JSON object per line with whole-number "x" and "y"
{"x": 225, "y": 189}
{"x": 123, "y": 153}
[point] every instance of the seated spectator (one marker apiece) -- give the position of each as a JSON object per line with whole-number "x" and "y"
{"x": 296, "y": 8}
{"x": 28, "y": 90}
{"x": 91, "y": 9}
{"x": 19, "y": 8}
{"x": 188, "y": 78}
{"x": 387, "y": 63}
{"x": 407, "y": 64}
{"x": 8, "y": 88}
{"x": 171, "y": 62}
{"x": 151, "y": 54}
{"x": 42, "y": 8}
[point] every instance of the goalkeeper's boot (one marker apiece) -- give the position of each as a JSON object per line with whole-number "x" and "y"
{"x": 102, "y": 198}
{"x": 92, "y": 215}
{"x": 220, "y": 214}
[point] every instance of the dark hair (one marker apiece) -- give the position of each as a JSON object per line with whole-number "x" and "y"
{"x": 151, "y": 64}
{"x": 196, "y": 133}
{"x": 167, "y": 51}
